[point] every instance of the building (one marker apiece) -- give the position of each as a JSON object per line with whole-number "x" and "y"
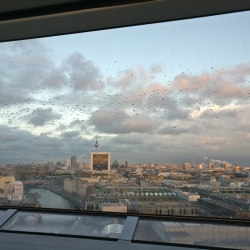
{"x": 237, "y": 168}
{"x": 201, "y": 166}
{"x": 186, "y": 166}
{"x": 4, "y": 180}
{"x": 202, "y": 234}
{"x": 73, "y": 161}
{"x": 188, "y": 196}
{"x": 118, "y": 207}
{"x": 170, "y": 208}
{"x": 70, "y": 185}
{"x": 67, "y": 163}
{"x": 210, "y": 165}
{"x": 81, "y": 165}
{"x": 79, "y": 185}
{"x": 23, "y": 173}
{"x": 107, "y": 207}
{"x": 205, "y": 185}
{"x": 100, "y": 161}
{"x": 15, "y": 191}
{"x": 225, "y": 165}
{"x": 115, "y": 164}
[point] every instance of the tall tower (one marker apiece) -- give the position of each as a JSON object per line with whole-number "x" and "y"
{"x": 99, "y": 161}
{"x": 96, "y": 144}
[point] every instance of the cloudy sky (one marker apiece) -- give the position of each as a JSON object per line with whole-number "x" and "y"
{"x": 166, "y": 93}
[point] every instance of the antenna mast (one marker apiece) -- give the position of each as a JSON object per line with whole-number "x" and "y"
{"x": 96, "y": 144}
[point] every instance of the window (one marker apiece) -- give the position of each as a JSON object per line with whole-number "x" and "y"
{"x": 91, "y": 121}
{"x": 141, "y": 109}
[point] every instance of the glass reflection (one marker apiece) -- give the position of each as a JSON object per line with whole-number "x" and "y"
{"x": 2, "y": 212}
{"x": 214, "y": 235}
{"x": 86, "y": 225}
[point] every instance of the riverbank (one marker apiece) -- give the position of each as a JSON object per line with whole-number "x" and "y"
{"x": 72, "y": 198}
{"x": 49, "y": 199}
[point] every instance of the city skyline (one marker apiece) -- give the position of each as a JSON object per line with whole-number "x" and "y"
{"x": 152, "y": 92}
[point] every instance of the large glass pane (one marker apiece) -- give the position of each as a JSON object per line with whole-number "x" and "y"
{"x": 2, "y": 212}
{"x": 202, "y": 234}
{"x": 86, "y": 225}
{"x": 151, "y": 119}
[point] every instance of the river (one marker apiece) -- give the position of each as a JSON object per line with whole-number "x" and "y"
{"x": 51, "y": 223}
{"x": 48, "y": 199}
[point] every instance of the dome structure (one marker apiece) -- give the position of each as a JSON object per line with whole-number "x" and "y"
{"x": 115, "y": 164}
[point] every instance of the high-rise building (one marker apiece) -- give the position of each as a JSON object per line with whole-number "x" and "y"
{"x": 186, "y": 166}
{"x": 67, "y": 163}
{"x": 73, "y": 161}
{"x": 237, "y": 168}
{"x": 100, "y": 161}
{"x": 210, "y": 165}
{"x": 225, "y": 165}
{"x": 201, "y": 166}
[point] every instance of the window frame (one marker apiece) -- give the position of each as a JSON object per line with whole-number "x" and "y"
{"x": 124, "y": 15}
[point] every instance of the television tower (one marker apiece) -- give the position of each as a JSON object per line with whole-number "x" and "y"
{"x": 96, "y": 144}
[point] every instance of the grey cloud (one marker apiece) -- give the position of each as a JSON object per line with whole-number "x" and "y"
{"x": 7, "y": 136}
{"x": 108, "y": 117}
{"x": 26, "y": 68}
{"x": 223, "y": 114}
{"x": 55, "y": 78}
{"x": 133, "y": 99}
{"x": 162, "y": 101}
{"x": 190, "y": 83}
{"x": 11, "y": 97}
{"x": 220, "y": 86}
{"x": 136, "y": 148}
{"x": 25, "y": 147}
{"x": 138, "y": 137}
{"x": 76, "y": 124}
{"x": 27, "y": 46}
{"x": 224, "y": 89}
{"x": 178, "y": 115}
{"x": 83, "y": 73}
{"x": 189, "y": 101}
{"x": 126, "y": 79}
{"x": 48, "y": 142}
{"x": 2, "y": 84}
{"x": 156, "y": 68}
{"x": 173, "y": 130}
{"x": 132, "y": 139}
{"x": 138, "y": 76}
{"x": 139, "y": 124}
{"x": 40, "y": 116}
{"x": 70, "y": 134}
{"x": 118, "y": 122}
{"x": 35, "y": 70}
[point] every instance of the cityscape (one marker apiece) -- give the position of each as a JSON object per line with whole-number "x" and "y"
{"x": 213, "y": 189}
{"x": 217, "y": 190}
{"x": 144, "y": 120}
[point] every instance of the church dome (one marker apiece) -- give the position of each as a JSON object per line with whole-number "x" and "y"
{"x": 115, "y": 162}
